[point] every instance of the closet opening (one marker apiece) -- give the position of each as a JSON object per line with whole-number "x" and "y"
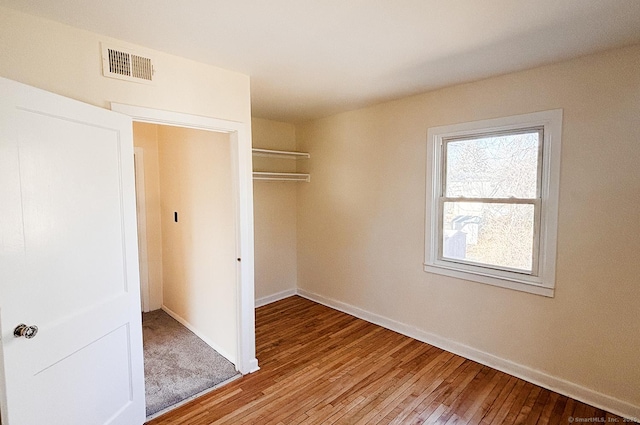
{"x": 231, "y": 315}
{"x": 188, "y": 271}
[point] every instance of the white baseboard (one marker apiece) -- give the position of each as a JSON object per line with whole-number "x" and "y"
{"x": 200, "y": 335}
{"x": 559, "y": 385}
{"x": 253, "y": 366}
{"x": 275, "y": 297}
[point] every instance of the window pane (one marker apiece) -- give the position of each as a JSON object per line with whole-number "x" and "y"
{"x": 500, "y": 166}
{"x": 490, "y": 234}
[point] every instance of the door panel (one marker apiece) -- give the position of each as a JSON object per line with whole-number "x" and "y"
{"x": 110, "y": 383}
{"x": 72, "y": 214}
{"x": 69, "y": 263}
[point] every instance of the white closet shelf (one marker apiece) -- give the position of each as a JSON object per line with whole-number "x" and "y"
{"x": 279, "y": 154}
{"x": 288, "y": 177}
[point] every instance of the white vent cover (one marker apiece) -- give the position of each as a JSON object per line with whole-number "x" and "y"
{"x": 126, "y": 65}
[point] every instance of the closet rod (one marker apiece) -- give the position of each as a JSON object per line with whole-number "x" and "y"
{"x": 270, "y": 176}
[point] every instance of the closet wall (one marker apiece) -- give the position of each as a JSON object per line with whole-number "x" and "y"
{"x": 198, "y": 267}
{"x": 274, "y": 206}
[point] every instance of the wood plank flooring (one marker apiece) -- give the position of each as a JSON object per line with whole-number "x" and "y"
{"x": 321, "y": 366}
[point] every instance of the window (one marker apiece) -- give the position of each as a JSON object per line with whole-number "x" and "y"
{"x": 492, "y": 201}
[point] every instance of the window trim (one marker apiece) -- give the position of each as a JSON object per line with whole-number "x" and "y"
{"x": 542, "y": 280}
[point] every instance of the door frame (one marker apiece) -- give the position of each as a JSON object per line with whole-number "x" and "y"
{"x": 141, "y": 207}
{"x": 240, "y": 137}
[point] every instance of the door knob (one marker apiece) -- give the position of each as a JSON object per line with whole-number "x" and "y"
{"x": 25, "y": 331}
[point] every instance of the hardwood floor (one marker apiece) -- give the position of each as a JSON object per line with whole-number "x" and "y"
{"x": 321, "y": 366}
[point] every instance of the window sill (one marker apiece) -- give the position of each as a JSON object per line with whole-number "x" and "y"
{"x": 502, "y": 282}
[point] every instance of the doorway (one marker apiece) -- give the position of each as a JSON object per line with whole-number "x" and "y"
{"x": 240, "y": 139}
{"x": 187, "y": 246}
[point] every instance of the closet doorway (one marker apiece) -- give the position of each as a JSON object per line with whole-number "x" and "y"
{"x": 196, "y": 251}
{"x": 186, "y": 222}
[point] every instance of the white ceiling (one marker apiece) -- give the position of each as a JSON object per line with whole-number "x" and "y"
{"x": 312, "y": 58}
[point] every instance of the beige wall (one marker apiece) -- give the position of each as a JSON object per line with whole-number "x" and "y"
{"x": 145, "y": 136}
{"x": 361, "y": 224}
{"x": 199, "y": 251}
{"x": 274, "y": 205}
{"x": 67, "y": 61}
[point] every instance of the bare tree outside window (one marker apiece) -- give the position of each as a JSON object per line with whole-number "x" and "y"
{"x": 483, "y": 176}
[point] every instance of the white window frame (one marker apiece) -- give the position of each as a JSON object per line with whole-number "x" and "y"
{"x": 541, "y": 281}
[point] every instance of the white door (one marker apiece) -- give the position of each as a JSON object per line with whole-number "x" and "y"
{"x": 68, "y": 263}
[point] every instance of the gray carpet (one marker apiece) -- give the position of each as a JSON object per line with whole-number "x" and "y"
{"x": 177, "y": 364}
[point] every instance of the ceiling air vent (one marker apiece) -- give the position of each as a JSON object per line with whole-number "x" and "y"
{"x": 126, "y": 65}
